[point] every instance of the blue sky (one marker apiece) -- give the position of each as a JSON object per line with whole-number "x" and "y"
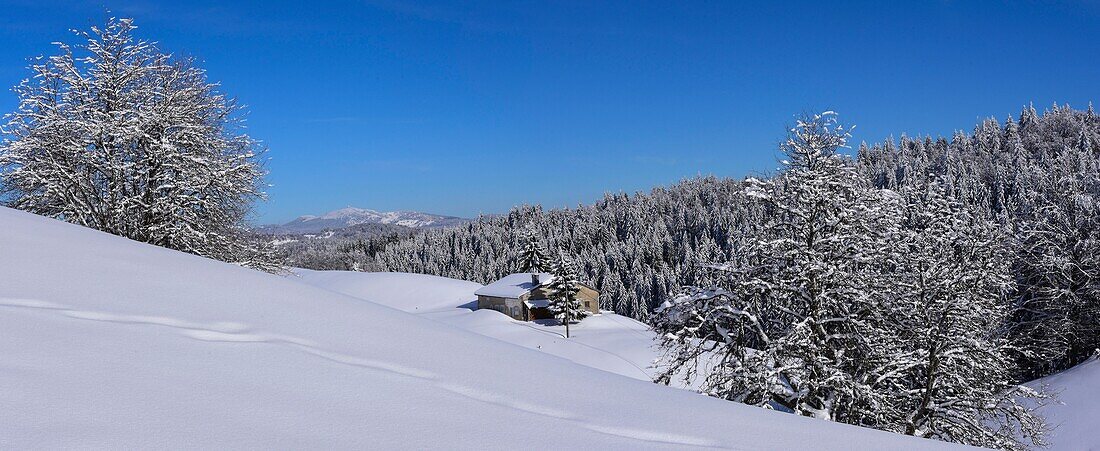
{"x": 468, "y": 107}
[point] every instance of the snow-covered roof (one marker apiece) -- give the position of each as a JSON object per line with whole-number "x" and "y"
{"x": 513, "y": 285}
{"x": 537, "y": 303}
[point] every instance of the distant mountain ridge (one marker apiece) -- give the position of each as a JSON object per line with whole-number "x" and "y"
{"x": 352, "y": 216}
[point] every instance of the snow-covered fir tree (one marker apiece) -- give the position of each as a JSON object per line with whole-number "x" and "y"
{"x": 533, "y": 257}
{"x": 1038, "y": 179}
{"x": 563, "y": 293}
{"x": 116, "y": 135}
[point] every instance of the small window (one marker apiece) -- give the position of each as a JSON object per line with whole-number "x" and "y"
{"x": 587, "y": 305}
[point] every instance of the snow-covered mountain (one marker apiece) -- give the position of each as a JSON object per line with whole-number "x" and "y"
{"x": 350, "y": 216}
{"x": 110, "y": 343}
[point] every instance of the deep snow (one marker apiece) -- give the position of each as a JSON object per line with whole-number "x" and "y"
{"x": 621, "y": 345}
{"x": 1076, "y": 414}
{"x": 108, "y": 343}
{"x": 606, "y": 341}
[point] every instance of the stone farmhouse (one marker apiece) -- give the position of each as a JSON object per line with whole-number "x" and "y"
{"x": 523, "y": 296}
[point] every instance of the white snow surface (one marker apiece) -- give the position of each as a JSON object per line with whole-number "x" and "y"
{"x": 109, "y": 343}
{"x": 606, "y": 341}
{"x": 1076, "y": 414}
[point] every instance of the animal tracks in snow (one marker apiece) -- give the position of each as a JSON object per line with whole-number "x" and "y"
{"x": 368, "y": 363}
{"x": 219, "y": 327}
{"x": 31, "y": 303}
{"x": 223, "y": 327}
{"x": 240, "y": 337}
{"x": 493, "y": 398}
{"x": 652, "y": 436}
{"x": 234, "y": 332}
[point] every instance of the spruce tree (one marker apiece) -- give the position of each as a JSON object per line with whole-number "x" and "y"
{"x": 532, "y": 258}
{"x": 563, "y": 293}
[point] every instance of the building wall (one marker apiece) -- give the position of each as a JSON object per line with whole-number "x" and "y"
{"x": 589, "y": 297}
{"x": 508, "y": 306}
{"x": 514, "y": 307}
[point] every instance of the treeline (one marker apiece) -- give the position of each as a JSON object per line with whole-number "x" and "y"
{"x": 341, "y": 249}
{"x": 634, "y": 249}
{"x": 1035, "y": 179}
{"x": 1038, "y": 180}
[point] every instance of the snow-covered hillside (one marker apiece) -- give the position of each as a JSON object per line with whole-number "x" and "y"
{"x": 606, "y": 341}
{"x": 621, "y": 345}
{"x": 350, "y": 216}
{"x": 108, "y": 343}
{"x": 1076, "y": 414}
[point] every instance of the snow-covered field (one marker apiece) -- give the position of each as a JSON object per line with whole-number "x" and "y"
{"x": 606, "y": 341}
{"x": 623, "y": 346}
{"x": 108, "y": 343}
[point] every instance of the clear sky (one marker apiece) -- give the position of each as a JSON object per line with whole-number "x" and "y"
{"x": 467, "y": 107}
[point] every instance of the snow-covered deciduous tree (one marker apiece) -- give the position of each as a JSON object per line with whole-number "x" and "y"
{"x": 951, "y": 374}
{"x": 533, "y": 257}
{"x": 860, "y": 305}
{"x": 1058, "y": 322}
{"x": 563, "y": 293}
{"x": 116, "y": 135}
{"x": 798, "y": 328}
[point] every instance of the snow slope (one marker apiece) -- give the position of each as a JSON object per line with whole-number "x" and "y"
{"x": 109, "y": 343}
{"x": 606, "y": 341}
{"x": 1076, "y": 415}
{"x": 621, "y": 345}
